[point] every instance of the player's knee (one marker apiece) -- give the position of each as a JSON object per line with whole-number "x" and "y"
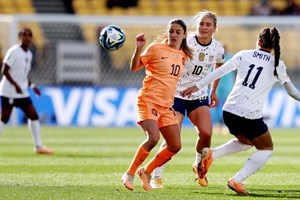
{"x": 152, "y": 141}
{"x": 175, "y": 148}
{"x": 178, "y": 148}
{"x": 205, "y": 135}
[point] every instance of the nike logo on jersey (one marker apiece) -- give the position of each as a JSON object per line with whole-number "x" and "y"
{"x": 163, "y": 57}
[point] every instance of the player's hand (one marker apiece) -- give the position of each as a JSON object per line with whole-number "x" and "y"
{"x": 140, "y": 40}
{"x": 214, "y": 100}
{"x": 189, "y": 91}
{"x": 37, "y": 91}
{"x": 18, "y": 89}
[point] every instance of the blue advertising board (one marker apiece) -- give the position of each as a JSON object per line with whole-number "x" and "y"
{"x": 115, "y": 107}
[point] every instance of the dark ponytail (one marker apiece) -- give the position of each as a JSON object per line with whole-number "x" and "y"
{"x": 270, "y": 39}
{"x": 275, "y": 39}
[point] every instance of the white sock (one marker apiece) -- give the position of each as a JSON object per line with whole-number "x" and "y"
{"x": 157, "y": 172}
{"x": 253, "y": 164}
{"x": 232, "y": 146}
{"x": 197, "y": 159}
{"x": 34, "y": 127}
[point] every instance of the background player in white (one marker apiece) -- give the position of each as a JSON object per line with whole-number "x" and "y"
{"x": 257, "y": 71}
{"x": 208, "y": 53}
{"x": 14, "y": 87}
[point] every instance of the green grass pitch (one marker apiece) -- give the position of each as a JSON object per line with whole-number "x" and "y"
{"x": 88, "y": 164}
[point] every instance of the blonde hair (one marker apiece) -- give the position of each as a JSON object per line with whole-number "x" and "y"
{"x": 205, "y": 13}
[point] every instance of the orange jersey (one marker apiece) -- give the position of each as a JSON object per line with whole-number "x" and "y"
{"x": 164, "y": 66}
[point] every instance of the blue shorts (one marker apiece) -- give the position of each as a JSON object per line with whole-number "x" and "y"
{"x": 183, "y": 105}
{"x": 249, "y": 128}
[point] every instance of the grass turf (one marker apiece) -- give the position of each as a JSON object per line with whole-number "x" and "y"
{"x": 88, "y": 164}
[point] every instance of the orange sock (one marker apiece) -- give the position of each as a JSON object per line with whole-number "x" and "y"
{"x": 139, "y": 157}
{"x": 163, "y": 156}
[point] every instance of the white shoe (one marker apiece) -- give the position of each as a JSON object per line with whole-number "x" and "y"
{"x": 127, "y": 180}
{"x": 157, "y": 183}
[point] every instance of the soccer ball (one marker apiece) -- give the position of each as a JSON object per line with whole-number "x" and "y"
{"x": 112, "y": 37}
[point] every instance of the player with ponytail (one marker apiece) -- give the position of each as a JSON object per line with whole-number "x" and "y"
{"x": 257, "y": 71}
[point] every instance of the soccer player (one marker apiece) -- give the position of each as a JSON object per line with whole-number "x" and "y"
{"x": 208, "y": 54}
{"x": 164, "y": 63}
{"x": 257, "y": 71}
{"x": 14, "y": 87}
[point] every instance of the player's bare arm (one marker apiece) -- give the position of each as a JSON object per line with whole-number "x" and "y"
{"x": 140, "y": 42}
{"x": 214, "y": 100}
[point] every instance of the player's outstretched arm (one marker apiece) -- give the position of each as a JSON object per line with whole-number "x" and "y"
{"x": 292, "y": 90}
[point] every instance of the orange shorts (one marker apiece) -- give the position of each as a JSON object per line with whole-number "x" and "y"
{"x": 163, "y": 115}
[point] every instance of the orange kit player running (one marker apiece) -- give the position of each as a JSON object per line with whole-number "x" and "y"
{"x": 164, "y": 63}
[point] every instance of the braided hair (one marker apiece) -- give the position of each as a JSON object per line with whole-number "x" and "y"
{"x": 270, "y": 39}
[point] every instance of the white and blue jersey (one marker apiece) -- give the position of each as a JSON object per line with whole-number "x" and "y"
{"x": 255, "y": 78}
{"x": 203, "y": 62}
{"x": 19, "y": 62}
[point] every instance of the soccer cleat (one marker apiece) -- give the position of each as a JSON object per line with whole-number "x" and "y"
{"x": 237, "y": 187}
{"x": 206, "y": 160}
{"x": 44, "y": 151}
{"x": 157, "y": 183}
{"x": 127, "y": 180}
{"x": 202, "y": 181}
{"x": 146, "y": 178}
{"x": 195, "y": 170}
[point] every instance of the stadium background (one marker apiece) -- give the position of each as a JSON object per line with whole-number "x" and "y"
{"x": 83, "y": 85}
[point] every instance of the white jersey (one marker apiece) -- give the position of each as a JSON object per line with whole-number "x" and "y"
{"x": 19, "y": 62}
{"x": 255, "y": 78}
{"x": 203, "y": 62}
